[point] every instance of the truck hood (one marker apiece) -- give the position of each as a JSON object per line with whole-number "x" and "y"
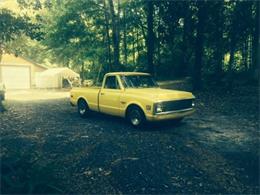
{"x": 159, "y": 94}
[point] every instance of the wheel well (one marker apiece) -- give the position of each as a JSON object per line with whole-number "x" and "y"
{"x": 82, "y": 99}
{"x": 132, "y": 106}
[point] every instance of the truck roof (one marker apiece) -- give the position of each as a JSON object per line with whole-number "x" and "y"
{"x": 126, "y": 73}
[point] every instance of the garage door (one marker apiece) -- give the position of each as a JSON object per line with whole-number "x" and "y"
{"x": 15, "y": 77}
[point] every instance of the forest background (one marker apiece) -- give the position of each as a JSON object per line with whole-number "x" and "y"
{"x": 211, "y": 42}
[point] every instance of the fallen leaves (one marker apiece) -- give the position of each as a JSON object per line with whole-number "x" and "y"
{"x": 124, "y": 159}
{"x": 104, "y": 155}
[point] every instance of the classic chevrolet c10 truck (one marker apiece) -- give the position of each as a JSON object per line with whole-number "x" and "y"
{"x": 134, "y": 96}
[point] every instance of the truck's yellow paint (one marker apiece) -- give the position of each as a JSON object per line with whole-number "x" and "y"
{"x": 116, "y": 101}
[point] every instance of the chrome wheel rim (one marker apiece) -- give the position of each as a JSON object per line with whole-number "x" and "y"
{"x": 135, "y": 118}
{"x": 82, "y": 111}
{"x": 82, "y": 108}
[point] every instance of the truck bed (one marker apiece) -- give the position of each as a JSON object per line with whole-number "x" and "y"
{"x": 88, "y": 93}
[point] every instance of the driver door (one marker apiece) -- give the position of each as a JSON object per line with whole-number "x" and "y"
{"x": 109, "y": 97}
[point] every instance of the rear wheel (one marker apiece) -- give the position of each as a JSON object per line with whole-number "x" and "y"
{"x": 135, "y": 116}
{"x": 83, "y": 108}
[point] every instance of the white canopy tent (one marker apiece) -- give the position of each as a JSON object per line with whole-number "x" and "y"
{"x": 53, "y": 78}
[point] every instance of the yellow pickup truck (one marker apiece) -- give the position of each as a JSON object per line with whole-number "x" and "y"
{"x": 134, "y": 96}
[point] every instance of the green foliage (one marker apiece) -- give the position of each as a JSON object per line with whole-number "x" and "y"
{"x": 14, "y": 27}
{"x": 10, "y": 25}
{"x": 81, "y": 35}
{"x": 72, "y": 33}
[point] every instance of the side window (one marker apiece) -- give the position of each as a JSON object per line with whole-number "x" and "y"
{"x": 112, "y": 83}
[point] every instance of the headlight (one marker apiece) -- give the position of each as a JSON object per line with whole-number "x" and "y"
{"x": 193, "y": 103}
{"x": 158, "y": 108}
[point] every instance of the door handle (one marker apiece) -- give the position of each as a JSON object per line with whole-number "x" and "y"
{"x": 102, "y": 93}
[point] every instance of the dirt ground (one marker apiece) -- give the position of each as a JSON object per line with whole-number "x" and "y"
{"x": 47, "y": 148}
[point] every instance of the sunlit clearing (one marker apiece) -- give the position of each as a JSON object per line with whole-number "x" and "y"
{"x": 35, "y": 95}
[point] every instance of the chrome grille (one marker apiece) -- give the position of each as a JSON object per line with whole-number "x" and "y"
{"x": 177, "y": 105}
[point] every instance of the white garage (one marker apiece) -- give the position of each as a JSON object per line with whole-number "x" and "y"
{"x": 18, "y": 72}
{"x": 16, "y": 77}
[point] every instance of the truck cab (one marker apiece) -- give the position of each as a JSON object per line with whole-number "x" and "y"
{"x": 134, "y": 96}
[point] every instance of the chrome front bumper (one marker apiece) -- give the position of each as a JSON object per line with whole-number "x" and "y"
{"x": 175, "y": 111}
{"x": 170, "y": 115}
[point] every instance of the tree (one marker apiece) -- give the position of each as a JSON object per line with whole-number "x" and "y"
{"x": 256, "y": 43}
{"x": 125, "y": 36}
{"x": 115, "y": 32}
{"x": 199, "y": 45}
{"x": 167, "y": 38}
{"x": 72, "y": 30}
{"x": 185, "y": 38}
{"x": 108, "y": 41}
{"x": 150, "y": 36}
{"x": 218, "y": 53}
{"x": 12, "y": 27}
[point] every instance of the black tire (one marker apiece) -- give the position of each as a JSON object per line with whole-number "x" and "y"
{"x": 83, "y": 109}
{"x": 136, "y": 117}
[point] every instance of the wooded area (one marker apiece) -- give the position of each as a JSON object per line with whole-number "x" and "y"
{"x": 208, "y": 47}
{"x": 209, "y": 41}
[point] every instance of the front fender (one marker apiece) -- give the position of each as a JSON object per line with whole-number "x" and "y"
{"x": 139, "y": 104}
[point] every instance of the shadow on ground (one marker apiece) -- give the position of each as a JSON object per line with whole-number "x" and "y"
{"x": 47, "y": 148}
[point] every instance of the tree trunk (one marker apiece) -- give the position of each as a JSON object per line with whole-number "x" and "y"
{"x": 219, "y": 39}
{"x": 133, "y": 45}
{"x": 231, "y": 60}
{"x": 256, "y": 44}
{"x": 99, "y": 72}
{"x": 158, "y": 63}
{"x": 158, "y": 49}
{"x": 137, "y": 45}
{"x": 199, "y": 46}
{"x": 232, "y": 49}
{"x": 110, "y": 67}
{"x": 232, "y": 53}
{"x": 82, "y": 71}
{"x": 185, "y": 40}
{"x": 150, "y": 36}
{"x": 250, "y": 53}
{"x": 118, "y": 30}
{"x": 143, "y": 31}
{"x": 124, "y": 38}
{"x": 245, "y": 54}
{"x": 115, "y": 33}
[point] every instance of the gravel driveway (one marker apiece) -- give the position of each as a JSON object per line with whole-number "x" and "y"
{"x": 47, "y": 148}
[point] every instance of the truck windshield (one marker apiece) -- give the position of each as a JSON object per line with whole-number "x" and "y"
{"x": 138, "y": 81}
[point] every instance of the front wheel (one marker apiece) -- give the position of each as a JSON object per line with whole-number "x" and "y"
{"x": 83, "y": 108}
{"x": 136, "y": 117}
